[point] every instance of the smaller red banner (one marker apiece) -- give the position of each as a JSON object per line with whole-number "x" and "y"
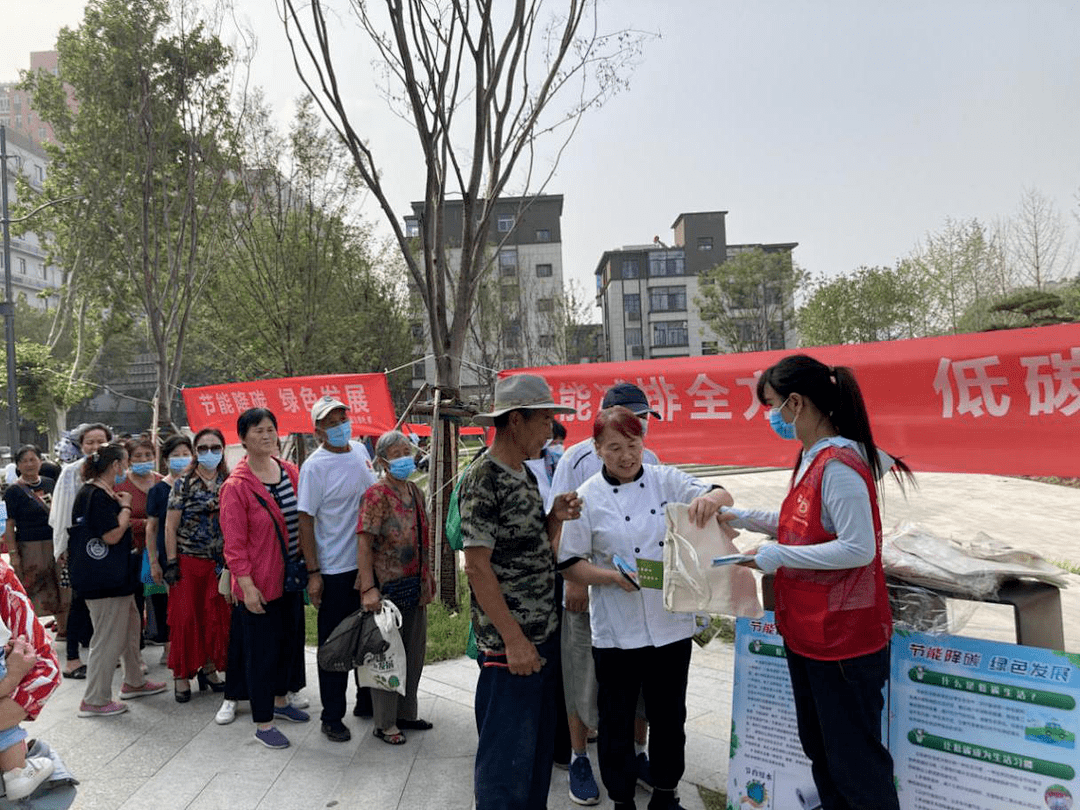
{"x": 367, "y": 396}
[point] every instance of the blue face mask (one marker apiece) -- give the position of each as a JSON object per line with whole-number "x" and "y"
{"x": 554, "y": 455}
{"x": 210, "y": 460}
{"x": 178, "y": 464}
{"x": 339, "y": 435}
{"x": 785, "y": 430}
{"x": 402, "y": 468}
{"x": 142, "y": 467}
{"x": 121, "y": 478}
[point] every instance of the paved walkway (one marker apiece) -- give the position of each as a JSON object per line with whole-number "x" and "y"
{"x": 164, "y": 756}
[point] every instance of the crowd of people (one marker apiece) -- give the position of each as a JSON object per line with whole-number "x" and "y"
{"x": 132, "y": 543}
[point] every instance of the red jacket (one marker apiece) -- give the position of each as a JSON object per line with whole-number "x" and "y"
{"x": 251, "y": 544}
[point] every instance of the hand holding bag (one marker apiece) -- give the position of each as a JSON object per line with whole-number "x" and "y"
{"x": 386, "y": 670}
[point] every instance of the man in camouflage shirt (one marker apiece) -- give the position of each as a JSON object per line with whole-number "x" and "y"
{"x": 511, "y": 569}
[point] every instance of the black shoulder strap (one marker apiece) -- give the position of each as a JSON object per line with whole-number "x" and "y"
{"x": 277, "y": 529}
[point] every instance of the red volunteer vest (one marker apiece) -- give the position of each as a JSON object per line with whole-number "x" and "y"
{"x": 830, "y": 615}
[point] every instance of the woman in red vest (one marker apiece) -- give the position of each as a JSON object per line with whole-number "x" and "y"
{"x": 832, "y": 607}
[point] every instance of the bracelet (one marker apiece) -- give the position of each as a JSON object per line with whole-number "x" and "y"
{"x": 314, "y": 571}
{"x": 122, "y": 508}
{"x": 373, "y": 587}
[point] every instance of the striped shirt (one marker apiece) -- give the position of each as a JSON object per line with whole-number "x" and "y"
{"x": 285, "y": 496}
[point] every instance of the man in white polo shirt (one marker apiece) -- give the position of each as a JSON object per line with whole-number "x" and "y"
{"x": 332, "y": 481}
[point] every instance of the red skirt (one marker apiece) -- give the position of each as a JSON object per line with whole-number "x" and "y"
{"x": 198, "y": 619}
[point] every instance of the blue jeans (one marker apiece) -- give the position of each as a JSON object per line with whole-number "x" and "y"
{"x": 515, "y": 722}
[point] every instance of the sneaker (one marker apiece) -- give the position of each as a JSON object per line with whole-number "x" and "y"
{"x": 272, "y": 738}
{"x": 20, "y": 783}
{"x": 127, "y": 692}
{"x": 336, "y": 731}
{"x": 112, "y": 707}
{"x": 226, "y": 714}
{"x": 583, "y": 789}
{"x": 291, "y": 713}
{"x": 644, "y": 775}
{"x": 297, "y": 701}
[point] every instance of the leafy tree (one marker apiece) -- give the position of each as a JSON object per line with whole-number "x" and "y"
{"x": 749, "y": 300}
{"x": 303, "y": 288}
{"x": 147, "y": 149}
{"x": 1030, "y": 307}
{"x": 864, "y": 306}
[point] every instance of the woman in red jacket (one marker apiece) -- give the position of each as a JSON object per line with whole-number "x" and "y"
{"x": 260, "y": 522}
{"x": 832, "y": 607}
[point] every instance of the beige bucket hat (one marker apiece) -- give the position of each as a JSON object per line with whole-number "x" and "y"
{"x": 520, "y": 391}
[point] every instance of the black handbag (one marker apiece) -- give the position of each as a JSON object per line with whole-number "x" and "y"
{"x": 296, "y": 573}
{"x": 94, "y": 565}
{"x": 350, "y": 642}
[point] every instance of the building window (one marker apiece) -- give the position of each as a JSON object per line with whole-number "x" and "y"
{"x": 513, "y": 361}
{"x": 417, "y": 330}
{"x": 418, "y": 371}
{"x": 633, "y": 336}
{"x": 18, "y": 120}
{"x": 670, "y": 333}
{"x": 667, "y": 263}
{"x": 39, "y": 173}
{"x": 547, "y": 341}
{"x": 509, "y": 292}
{"x": 412, "y": 227}
{"x": 508, "y": 262}
{"x": 704, "y": 243}
{"x": 630, "y": 268}
{"x": 22, "y": 266}
{"x": 545, "y": 305}
{"x": 512, "y": 335}
{"x": 505, "y": 223}
{"x": 709, "y": 347}
{"x": 543, "y": 235}
{"x": 543, "y": 270}
{"x": 631, "y": 303}
{"x": 5, "y": 104}
{"x": 667, "y": 299}
{"x": 44, "y": 271}
{"x": 42, "y": 133}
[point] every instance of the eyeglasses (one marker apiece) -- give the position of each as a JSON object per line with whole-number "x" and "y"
{"x": 203, "y": 448}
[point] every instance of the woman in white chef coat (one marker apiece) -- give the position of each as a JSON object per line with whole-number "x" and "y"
{"x": 637, "y": 645}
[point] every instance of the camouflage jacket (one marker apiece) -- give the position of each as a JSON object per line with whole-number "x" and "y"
{"x": 503, "y": 510}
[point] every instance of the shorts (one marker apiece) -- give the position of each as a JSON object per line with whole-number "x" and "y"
{"x": 578, "y": 669}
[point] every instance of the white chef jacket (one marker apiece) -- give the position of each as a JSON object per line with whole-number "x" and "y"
{"x": 628, "y": 520}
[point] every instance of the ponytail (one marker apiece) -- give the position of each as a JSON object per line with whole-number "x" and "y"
{"x": 97, "y": 462}
{"x": 836, "y": 393}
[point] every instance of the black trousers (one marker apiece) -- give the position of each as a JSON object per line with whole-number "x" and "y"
{"x": 80, "y": 629}
{"x": 838, "y": 706}
{"x": 339, "y": 599}
{"x": 659, "y": 674}
{"x": 562, "y": 724}
{"x": 272, "y": 647}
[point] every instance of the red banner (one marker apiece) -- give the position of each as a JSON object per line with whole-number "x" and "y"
{"x": 1005, "y": 402}
{"x": 367, "y": 395}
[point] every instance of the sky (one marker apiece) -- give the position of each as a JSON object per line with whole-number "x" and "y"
{"x": 853, "y": 127}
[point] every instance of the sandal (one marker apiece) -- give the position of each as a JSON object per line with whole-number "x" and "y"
{"x": 77, "y": 674}
{"x": 389, "y": 739}
{"x": 414, "y": 725}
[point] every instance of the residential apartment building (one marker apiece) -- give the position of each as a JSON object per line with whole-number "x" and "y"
{"x": 518, "y": 319}
{"x": 16, "y": 106}
{"x": 647, "y": 292}
{"x": 32, "y": 276}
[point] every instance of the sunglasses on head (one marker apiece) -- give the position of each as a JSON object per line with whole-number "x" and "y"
{"x": 211, "y": 448}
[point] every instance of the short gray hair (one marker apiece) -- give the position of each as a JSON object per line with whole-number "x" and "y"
{"x": 390, "y": 439}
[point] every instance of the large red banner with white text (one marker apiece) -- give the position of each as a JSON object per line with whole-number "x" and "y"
{"x": 367, "y": 395}
{"x": 1005, "y": 402}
